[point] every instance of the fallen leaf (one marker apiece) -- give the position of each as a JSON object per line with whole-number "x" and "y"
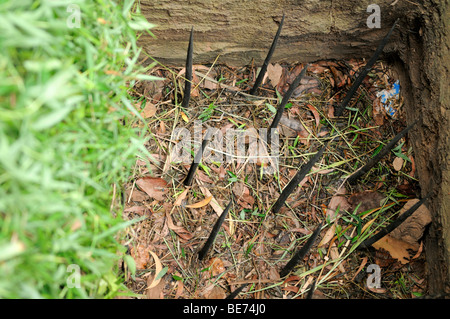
{"x": 307, "y": 85}
{"x": 136, "y": 209}
{"x": 140, "y": 255}
{"x": 149, "y": 110}
{"x": 180, "y": 231}
{"x": 184, "y": 117}
{"x": 337, "y": 201}
{"x": 398, "y": 163}
{"x": 412, "y": 229}
{"x": 155, "y": 187}
{"x": 155, "y": 292}
{"x": 377, "y": 110}
{"x": 328, "y": 235}
{"x": 315, "y": 113}
{"x": 214, "y": 204}
{"x": 366, "y": 200}
{"x": 180, "y": 287}
{"x": 274, "y": 73}
{"x": 216, "y": 293}
{"x": 397, "y": 248}
{"x": 243, "y": 193}
{"x": 334, "y": 253}
{"x": 181, "y": 197}
{"x": 158, "y": 268}
{"x": 201, "y": 203}
{"x": 216, "y": 265}
{"x": 292, "y": 127}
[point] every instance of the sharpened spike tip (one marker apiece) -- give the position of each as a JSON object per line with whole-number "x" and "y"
{"x": 364, "y": 72}
{"x": 263, "y": 70}
{"x": 188, "y": 74}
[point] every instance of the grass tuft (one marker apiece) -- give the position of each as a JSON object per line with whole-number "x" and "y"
{"x": 63, "y": 145}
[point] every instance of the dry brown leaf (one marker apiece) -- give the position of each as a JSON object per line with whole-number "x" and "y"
{"x": 214, "y": 204}
{"x": 243, "y": 195}
{"x": 181, "y": 197}
{"x": 315, "y": 113}
{"x": 201, "y": 203}
{"x": 216, "y": 265}
{"x": 377, "y": 110}
{"x": 337, "y": 201}
{"x": 155, "y": 187}
{"x": 328, "y": 235}
{"x": 368, "y": 200}
{"x": 180, "y": 287}
{"x": 149, "y": 110}
{"x": 155, "y": 292}
{"x": 274, "y": 73}
{"x": 158, "y": 268}
{"x": 136, "y": 209}
{"x": 397, "y": 248}
{"x": 213, "y": 292}
{"x": 180, "y": 231}
{"x": 411, "y": 230}
{"x": 334, "y": 253}
{"x": 398, "y": 163}
{"x": 140, "y": 255}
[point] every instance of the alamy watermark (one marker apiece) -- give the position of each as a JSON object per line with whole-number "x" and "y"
{"x": 74, "y": 19}
{"x": 374, "y": 278}
{"x": 74, "y": 278}
{"x": 227, "y": 146}
{"x": 374, "y": 20}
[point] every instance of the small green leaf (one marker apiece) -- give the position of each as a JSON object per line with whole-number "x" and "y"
{"x": 161, "y": 273}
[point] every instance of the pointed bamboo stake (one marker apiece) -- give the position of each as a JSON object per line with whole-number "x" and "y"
{"x": 263, "y": 70}
{"x": 386, "y": 230}
{"x": 300, "y": 254}
{"x": 188, "y": 74}
{"x": 209, "y": 242}
{"x": 311, "y": 290}
{"x": 385, "y": 150}
{"x": 197, "y": 160}
{"x": 364, "y": 72}
{"x": 296, "y": 180}
{"x": 235, "y": 293}
{"x": 283, "y": 103}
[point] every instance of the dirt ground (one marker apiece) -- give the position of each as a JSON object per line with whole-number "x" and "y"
{"x": 254, "y": 244}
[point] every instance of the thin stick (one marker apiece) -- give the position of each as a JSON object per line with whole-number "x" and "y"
{"x": 235, "y": 293}
{"x": 296, "y": 180}
{"x": 385, "y": 150}
{"x": 386, "y": 230}
{"x": 263, "y": 70}
{"x": 286, "y": 98}
{"x": 364, "y": 72}
{"x": 188, "y": 74}
{"x": 197, "y": 160}
{"x": 299, "y": 255}
{"x": 202, "y": 253}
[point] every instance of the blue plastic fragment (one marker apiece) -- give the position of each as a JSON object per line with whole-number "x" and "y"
{"x": 388, "y": 97}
